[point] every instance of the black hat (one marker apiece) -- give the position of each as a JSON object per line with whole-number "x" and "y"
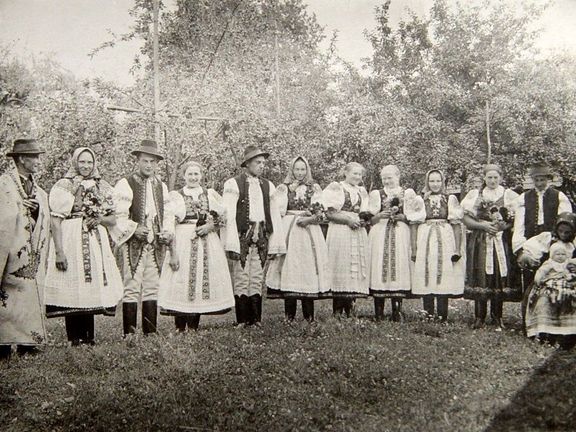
{"x": 250, "y": 153}
{"x": 148, "y": 147}
{"x": 540, "y": 170}
{"x": 25, "y": 146}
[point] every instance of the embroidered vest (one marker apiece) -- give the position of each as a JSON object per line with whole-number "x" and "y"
{"x": 385, "y": 202}
{"x": 347, "y": 206}
{"x": 300, "y": 203}
{"x": 243, "y": 205}
{"x": 138, "y": 208}
{"x": 194, "y": 208}
{"x": 439, "y": 211}
{"x": 551, "y": 201}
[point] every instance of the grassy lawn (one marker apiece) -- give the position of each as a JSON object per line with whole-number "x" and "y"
{"x": 349, "y": 375}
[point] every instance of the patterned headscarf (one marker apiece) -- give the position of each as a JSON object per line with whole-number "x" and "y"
{"x": 290, "y": 176}
{"x": 74, "y": 172}
{"x": 426, "y": 189}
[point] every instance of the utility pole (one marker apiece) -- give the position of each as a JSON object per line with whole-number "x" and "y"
{"x": 277, "y": 74}
{"x": 155, "y": 60}
{"x": 488, "y": 142}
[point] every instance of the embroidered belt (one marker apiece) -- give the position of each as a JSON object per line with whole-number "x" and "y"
{"x": 389, "y": 256}
{"x": 194, "y": 269}
{"x": 86, "y": 261}
{"x": 434, "y": 226}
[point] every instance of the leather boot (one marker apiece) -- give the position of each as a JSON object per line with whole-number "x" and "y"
{"x": 496, "y": 307}
{"x": 337, "y": 307}
{"x": 480, "y": 310}
{"x": 129, "y": 313}
{"x": 88, "y": 337}
{"x": 255, "y": 309}
{"x": 397, "y": 315}
{"x": 442, "y": 308}
{"x": 239, "y": 309}
{"x": 348, "y": 305}
{"x": 74, "y": 328}
{"x": 428, "y": 303}
{"x": 193, "y": 321}
{"x": 149, "y": 316}
{"x": 180, "y": 323}
{"x": 290, "y": 306}
{"x": 379, "y": 304}
{"x": 5, "y": 352}
{"x": 308, "y": 309}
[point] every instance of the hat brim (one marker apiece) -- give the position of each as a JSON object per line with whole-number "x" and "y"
{"x": 25, "y": 153}
{"x": 137, "y": 152}
{"x": 255, "y": 155}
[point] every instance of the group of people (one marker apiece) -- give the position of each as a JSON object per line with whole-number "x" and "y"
{"x": 87, "y": 247}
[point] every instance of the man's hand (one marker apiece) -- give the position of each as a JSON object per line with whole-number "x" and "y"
{"x": 141, "y": 232}
{"x": 32, "y": 204}
{"x": 165, "y": 238}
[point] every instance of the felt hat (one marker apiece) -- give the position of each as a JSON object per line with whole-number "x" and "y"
{"x": 540, "y": 170}
{"x": 250, "y": 153}
{"x": 25, "y": 146}
{"x": 148, "y": 147}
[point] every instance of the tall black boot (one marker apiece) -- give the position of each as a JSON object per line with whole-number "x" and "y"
{"x": 379, "y": 304}
{"x": 442, "y": 303}
{"x": 193, "y": 321}
{"x": 308, "y": 309}
{"x": 129, "y": 314}
{"x": 180, "y": 322}
{"x": 5, "y": 352}
{"x": 397, "y": 315}
{"x": 496, "y": 309}
{"x": 88, "y": 335}
{"x": 337, "y": 306}
{"x": 480, "y": 311}
{"x": 290, "y": 306}
{"x": 74, "y": 328}
{"x": 255, "y": 309}
{"x": 428, "y": 303}
{"x": 149, "y": 316}
{"x": 239, "y": 309}
{"x": 347, "y": 305}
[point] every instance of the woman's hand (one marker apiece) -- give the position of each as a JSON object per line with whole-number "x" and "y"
{"x": 399, "y": 217}
{"x": 61, "y": 261}
{"x": 205, "y": 229}
{"x": 354, "y": 224}
{"x": 526, "y": 261}
{"x": 490, "y": 228}
{"x": 303, "y": 222}
{"x": 384, "y": 214}
{"x": 93, "y": 222}
{"x": 174, "y": 261}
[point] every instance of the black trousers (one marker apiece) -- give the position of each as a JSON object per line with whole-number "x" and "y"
{"x": 80, "y": 328}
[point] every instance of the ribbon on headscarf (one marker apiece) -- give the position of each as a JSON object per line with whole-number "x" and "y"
{"x": 434, "y": 226}
{"x": 495, "y": 244}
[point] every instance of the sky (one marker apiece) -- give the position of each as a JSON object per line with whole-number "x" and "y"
{"x": 69, "y": 29}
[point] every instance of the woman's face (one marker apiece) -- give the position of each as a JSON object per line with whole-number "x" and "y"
{"x": 492, "y": 179}
{"x": 565, "y": 232}
{"x": 193, "y": 176}
{"x": 390, "y": 179}
{"x": 435, "y": 182}
{"x": 300, "y": 170}
{"x": 85, "y": 163}
{"x": 354, "y": 175}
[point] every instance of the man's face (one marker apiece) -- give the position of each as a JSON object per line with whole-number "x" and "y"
{"x": 540, "y": 182}
{"x": 147, "y": 164}
{"x": 30, "y": 164}
{"x": 256, "y": 166}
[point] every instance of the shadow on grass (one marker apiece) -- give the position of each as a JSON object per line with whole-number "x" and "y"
{"x": 546, "y": 402}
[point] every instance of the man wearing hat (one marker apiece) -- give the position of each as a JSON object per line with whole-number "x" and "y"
{"x": 253, "y": 232}
{"x": 24, "y": 237}
{"x": 141, "y": 234}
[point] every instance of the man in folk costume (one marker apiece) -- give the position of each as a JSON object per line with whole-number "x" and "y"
{"x": 536, "y": 212}
{"x": 141, "y": 234}
{"x": 24, "y": 236}
{"x": 253, "y": 233}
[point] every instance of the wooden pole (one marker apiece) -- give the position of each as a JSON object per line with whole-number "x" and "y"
{"x": 489, "y": 158}
{"x": 155, "y": 60}
{"x": 277, "y": 74}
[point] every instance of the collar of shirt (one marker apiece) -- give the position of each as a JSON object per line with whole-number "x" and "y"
{"x": 193, "y": 192}
{"x": 393, "y": 192}
{"x": 493, "y": 194}
{"x": 539, "y": 192}
{"x": 253, "y": 180}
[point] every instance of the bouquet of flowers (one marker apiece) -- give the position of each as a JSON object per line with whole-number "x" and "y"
{"x": 95, "y": 205}
{"x": 317, "y": 210}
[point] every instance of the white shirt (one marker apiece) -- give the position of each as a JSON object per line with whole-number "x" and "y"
{"x": 256, "y": 200}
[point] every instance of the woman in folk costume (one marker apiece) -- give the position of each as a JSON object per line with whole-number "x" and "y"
{"x": 24, "y": 238}
{"x": 302, "y": 273}
{"x": 551, "y": 304}
{"x": 196, "y": 279}
{"x": 82, "y": 277}
{"x": 389, "y": 239}
{"x": 347, "y": 239}
{"x": 489, "y": 214}
{"x": 438, "y": 248}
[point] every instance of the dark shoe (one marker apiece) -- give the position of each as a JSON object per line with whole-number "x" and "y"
{"x": 290, "y": 306}
{"x": 379, "y": 304}
{"x": 428, "y": 304}
{"x": 337, "y": 307}
{"x": 129, "y": 314}
{"x": 308, "y": 309}
{"x": 149, "y": 316}
{"x": 27, "y": 350}
{"x": 255, "y": 309}
{"x": 348, "y": 305}
{"x": 74, "y": 327}
{"x": 480, "y": 309}
{"x": 442, "y": 303}
{"x": 193, "y": 321}
{"x": 397, "y": 315}
{"x": 5, "y": 352}
{"x": 239, "y": 310}
{"x": 180, "y": 323}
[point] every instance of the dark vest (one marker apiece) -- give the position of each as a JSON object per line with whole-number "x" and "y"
{"x": 243, "y": 206}
{"x": 551, "y": 202}
{"x": 138, "y": 208}
{"x": 193, "y": 208}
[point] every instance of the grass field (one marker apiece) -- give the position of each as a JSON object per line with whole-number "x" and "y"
{"x": 348, "y": 375}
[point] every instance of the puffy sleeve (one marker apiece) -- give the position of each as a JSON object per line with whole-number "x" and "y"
{"x": 61, "y": 198}
{"x": 364, "y": 205}
{"x": 333, "y": 196}
{"x": 414, "y": 209}
{"x": 510, "y": 200}
{"x": 230, "y": 199}
{"x": 455, "y": 210}
{"x": 537, "y": 246}
{"x": 281, "y": 197}
{"x": 108, "y": 192}
{"x": 215, "y": 202}
{"x": 564, "y": 204}
{"x": 277, "y": 242}
{"x": 124, "y": 228}
{"x": 317, "y": 195}
{"x": 374, "y": 202}
{"x": 519, "y": 236}
{"x": 168, "y": 222}
{"x": 468, "y": 204}
{"x": 177, "y": 206}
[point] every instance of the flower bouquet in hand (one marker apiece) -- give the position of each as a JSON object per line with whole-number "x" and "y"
{"x": 94, "y": 207}
{"x": 317, "y": 210}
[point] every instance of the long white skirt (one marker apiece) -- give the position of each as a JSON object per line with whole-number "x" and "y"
{"x": 434, "y": 271}
{"x": 304, "y": 270}
{"x": 92, "y": 280}
{"x": 202, "y": 282}
{"x": 390, "y": 259}
{"x": 348, "y": 260}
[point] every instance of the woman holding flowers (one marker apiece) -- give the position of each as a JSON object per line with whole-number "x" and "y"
{"x": 489, "y": 215}
{"x": 347, "y": 204}
{"x": 302, "y": 273}
{"x": 82, "y": 278}
{"x": 438, "y": 247}
{"x": 196, "y": 279}
{"x": 389, "y": 239}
